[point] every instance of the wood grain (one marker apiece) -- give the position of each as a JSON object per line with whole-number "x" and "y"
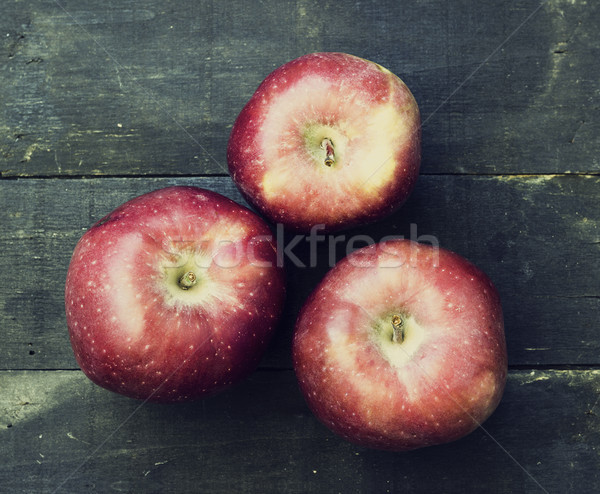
{"x": 538, "y": 238}
{"x": 103, "y": 101}
{"x": 60, "y": 430}
{"x": 123, "y": 88}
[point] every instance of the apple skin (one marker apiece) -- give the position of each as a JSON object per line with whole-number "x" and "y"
{"x": 275, "y": 151}
{"x": 135, "y": 330}
{"x": 443, "y": 380}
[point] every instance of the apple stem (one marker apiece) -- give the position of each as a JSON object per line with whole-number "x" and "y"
{"x": 398, "y": 325}
{"x": 327, "y": 145}
{"x": 188, "y": 280}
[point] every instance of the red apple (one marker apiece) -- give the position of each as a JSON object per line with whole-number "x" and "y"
{"x": 173, "y": 296}
{"x": 327, "y": 139}
{"x": 402, "y": 346}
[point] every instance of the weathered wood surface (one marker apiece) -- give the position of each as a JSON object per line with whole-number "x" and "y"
{"x": 142, "y": 95}
{"x": 538, "y": 238}
{"x": 57, "y": 429}
{"x": 147, "y": 88}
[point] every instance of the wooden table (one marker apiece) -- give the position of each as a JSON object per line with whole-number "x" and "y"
{"x": 102, "y": 101}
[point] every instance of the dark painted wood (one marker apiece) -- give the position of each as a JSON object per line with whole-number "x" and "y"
{"x": 146, "y": 88}
{"x": 146, "y": 93}
{"x": 538, "y": 238}
{"x": 60, "y": 433}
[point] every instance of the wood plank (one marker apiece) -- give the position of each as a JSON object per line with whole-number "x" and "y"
{"x": 140, "y": 88}
{"x": 60, "y": 430}
{"x": 538, "y": 238}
